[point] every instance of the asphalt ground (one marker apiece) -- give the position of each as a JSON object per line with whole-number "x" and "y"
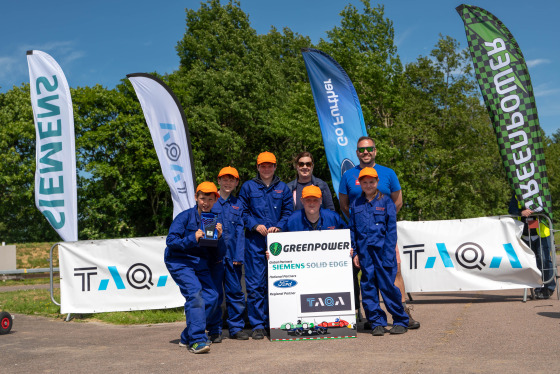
{"x": 462, "y": 332}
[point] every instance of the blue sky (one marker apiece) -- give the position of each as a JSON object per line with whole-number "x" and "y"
{"x": 99, "y": 42}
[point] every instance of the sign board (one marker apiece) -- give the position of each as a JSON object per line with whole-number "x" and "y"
{"x": 310, "y": 288}
{"x": 473, "y": 254}
{"x": 115, "y": 275}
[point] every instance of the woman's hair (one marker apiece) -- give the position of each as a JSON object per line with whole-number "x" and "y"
{"x": 300, "y": 155}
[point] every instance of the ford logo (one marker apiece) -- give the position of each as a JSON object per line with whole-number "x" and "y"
{"x": 285, "y": 283}
{"x": 346, "y": 165}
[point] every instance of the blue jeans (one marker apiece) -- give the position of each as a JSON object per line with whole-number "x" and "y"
{"x": 541, "y": 248}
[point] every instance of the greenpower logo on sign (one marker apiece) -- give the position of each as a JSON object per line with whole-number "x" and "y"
{"x": 275, "y": 248}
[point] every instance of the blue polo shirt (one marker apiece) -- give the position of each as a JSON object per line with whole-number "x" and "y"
{"x": 350, "y": 185}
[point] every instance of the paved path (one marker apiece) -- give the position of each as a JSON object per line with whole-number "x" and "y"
{"x": 469, "y": 332}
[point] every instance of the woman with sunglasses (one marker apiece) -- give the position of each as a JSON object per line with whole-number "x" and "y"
{"x": 303, "y": 163}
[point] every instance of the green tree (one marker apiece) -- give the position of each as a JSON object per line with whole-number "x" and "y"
{"x": 20, "y": 220}
{"x": 235, "y": 86}
{"x": 448, "y": 161}
{"x": 364, "y": 46}
{"x": 552, "y": 157}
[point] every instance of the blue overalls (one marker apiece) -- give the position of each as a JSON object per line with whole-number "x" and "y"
{"x": 373, "y": 226}
{"x": 187, "y": 263}
{"x": 328, "y": 220}
{"x": 226, "y": 275}
{"x": 269, "y": 206}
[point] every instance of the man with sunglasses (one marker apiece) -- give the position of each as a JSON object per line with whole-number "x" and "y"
{"x": 303, "y": 163}
{"x": 350, "y": 189}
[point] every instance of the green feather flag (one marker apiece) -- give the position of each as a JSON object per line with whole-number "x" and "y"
{"x": 504, "y": 80}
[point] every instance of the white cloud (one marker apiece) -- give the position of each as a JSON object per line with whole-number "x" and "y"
{"x": 13, "y": 66}
{"x": 8, "y": 65}
{"x": 544, "y": 90}
{"x": 400, "y": 37}
{"x": 538, "y": 61}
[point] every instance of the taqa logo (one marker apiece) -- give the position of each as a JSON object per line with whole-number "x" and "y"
{"x": 468, "y": 255}
{"x": 326, "y": 302}
{"x": 138, "y": 276}
{"x": 275, "y": 248}
{"x": 285, "y": 283}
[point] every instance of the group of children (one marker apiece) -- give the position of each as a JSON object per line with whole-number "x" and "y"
{"x": 265, "y": 205}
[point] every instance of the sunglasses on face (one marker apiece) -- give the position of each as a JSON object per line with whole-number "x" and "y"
{"x": 363, "y": 149}
{"x": 302, "y": 164}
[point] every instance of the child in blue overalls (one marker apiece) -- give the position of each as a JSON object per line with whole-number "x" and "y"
{"x": 313, "y": 216}
{"x": 373, "y": 225}
{"x": 267, "y": 204}
{"x": 227, "y": 271}
{"x": 187, "y": 263}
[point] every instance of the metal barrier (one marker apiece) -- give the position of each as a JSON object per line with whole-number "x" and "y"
{"x": 51, "y": 276}
{"x": 545, "y": 265}
{"x": 27, "y": 271}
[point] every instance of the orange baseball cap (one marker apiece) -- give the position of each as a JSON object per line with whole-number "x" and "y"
{"x": 311, "y": 191}
{"x": 208, "y": 187}
{"x": 228, "y": 170}
{"x": 266, "y": 157}
{"x": 367, "y": 172}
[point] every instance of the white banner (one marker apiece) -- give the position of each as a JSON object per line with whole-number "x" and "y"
{"x": 55, "y": 172}
{"x": 310, "y": 287}
{"x": 116, "y": 275}
{"x": 168, "y": 127}
{"x": 466, "y": 255}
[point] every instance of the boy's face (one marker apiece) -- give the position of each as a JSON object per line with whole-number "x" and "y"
{"x": 369, "y": 185}
{"x": 266, "y": 170}
{"x": 311, "y": 205}
{"x": 205, "y": 201}
{"x": 228, "y": 183}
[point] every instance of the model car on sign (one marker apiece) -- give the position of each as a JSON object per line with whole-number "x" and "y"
{"x": 337, "y": 323}
{"x": 303, "y": 328}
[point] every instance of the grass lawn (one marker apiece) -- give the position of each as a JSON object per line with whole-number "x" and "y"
{"x": 38, "y": 302}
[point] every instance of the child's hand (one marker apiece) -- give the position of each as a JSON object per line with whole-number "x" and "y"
{"x": 198, "y": 234}
{"x": 273, "y": 229}
{"x": 219, "y": 228}
{"x": 261, "y": 229}
{"x": 267, "y": 255}
{"x": 356, "y": 262}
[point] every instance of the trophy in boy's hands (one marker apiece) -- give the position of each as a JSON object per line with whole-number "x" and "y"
{"x": 210, "y": 238}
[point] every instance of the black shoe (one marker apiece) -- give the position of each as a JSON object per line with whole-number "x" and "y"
{"x": 258, "y": 334}
{"x": 412, "y": 323}
{"x": 398, "y": 329}
{"x": 367, "y": 325}
{"x": 216, "y": 338}
{"x": 540, "y": 294}
{"x": 240, "y": 335}
{"x": 378, "y": 331}
{"x": 543, "y": 293}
